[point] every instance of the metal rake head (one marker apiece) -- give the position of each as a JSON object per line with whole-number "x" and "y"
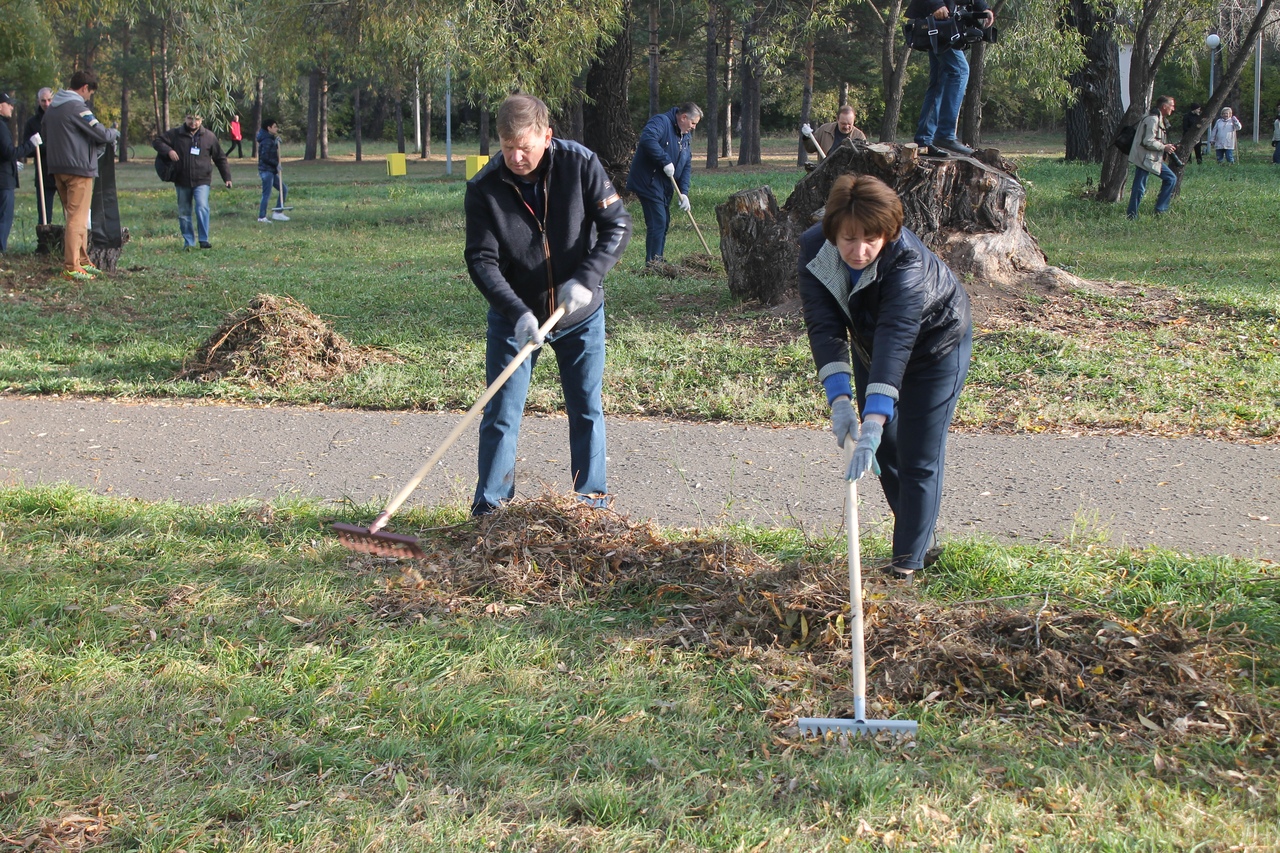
{"x": 358, "y": 538}
{"x": 821, "y": 727}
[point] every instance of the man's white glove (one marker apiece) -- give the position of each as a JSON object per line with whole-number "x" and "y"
{"x": 573, "y": 295}
{"x": 36, "y": 139}
{"x": 684, "y": 202}
{"x": 805, "y": 130}
{"x": 669, "y": 170}
{"x": 527, "y": 330}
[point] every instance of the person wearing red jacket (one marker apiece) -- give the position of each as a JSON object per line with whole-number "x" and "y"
{"x": 237, "y": 138}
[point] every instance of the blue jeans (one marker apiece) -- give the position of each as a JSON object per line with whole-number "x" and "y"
{"x": 948, "y": 77}
{"x": 913, "y": 451}
{"x": 198, "y": 196}
{"x": 580, "y": 357}
{"x": 270, "y": 181}
{"x": 6, "y": 218}
{"x": 1229, "y": 154}
{"x": 1168, "y": 180}
{"x": 657, "y": 219}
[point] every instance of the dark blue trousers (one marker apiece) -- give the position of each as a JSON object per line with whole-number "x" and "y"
{"x": 657, "y": 219}
{"x": 913, "y": 451}
{"x": 6, "y": 218}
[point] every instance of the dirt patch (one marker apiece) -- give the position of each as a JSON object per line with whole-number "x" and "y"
{"x": 23, "y": 275}
{"x": 1156, "y": 677}
{"x": 275, "y": 341}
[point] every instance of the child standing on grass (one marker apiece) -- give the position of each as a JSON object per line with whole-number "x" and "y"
{"x": 1223, "y": 135}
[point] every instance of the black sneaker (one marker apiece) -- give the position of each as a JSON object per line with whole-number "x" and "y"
{"x": 954, "y": 146}
{"x": 206, "y": 245}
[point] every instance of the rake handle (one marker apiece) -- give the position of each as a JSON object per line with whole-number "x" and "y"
{"x": 855, "y": 603}
{"x": 822, "y": 155}
{"x": 40, "y": 187}
{"x": 471, "y": 415}
{"x": 691, "y": 219}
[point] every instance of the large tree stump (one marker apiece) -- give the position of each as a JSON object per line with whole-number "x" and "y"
{"x": 968, "y": 210}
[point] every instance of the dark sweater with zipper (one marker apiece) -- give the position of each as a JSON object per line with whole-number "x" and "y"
{"x": 517, "y": 255}
{"x": 194, "y": 170}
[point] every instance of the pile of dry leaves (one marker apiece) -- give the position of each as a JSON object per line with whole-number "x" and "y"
{"x": 698, "y": 265}
{"x": 82, "y": 828}
{"x": 275, "y": 340}
{"x": 1156, "y": 676}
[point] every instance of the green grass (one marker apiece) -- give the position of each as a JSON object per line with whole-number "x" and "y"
{"x": 218, "y": 677}
{"x": 380, "y": 259}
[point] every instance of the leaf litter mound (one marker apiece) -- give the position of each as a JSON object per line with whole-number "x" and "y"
{"x": 275, "y": 341}
{"x": 696, "y": 265}
{"x": 1155, "y": 676}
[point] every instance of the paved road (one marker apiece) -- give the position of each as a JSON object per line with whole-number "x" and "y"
{"x": 1192, "y": 495}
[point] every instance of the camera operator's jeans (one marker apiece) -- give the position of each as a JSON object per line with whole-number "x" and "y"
{"x": 948, "y": 77}
{"x": 1168, "y": 180}
{"x": 580, "y": 357}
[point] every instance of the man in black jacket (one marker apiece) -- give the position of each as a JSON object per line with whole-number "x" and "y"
{"x": 544, "y": 225}
{"x": 9, "y": 157}
{"x": 32, "y": 128}
{"x": 197, "y": 150}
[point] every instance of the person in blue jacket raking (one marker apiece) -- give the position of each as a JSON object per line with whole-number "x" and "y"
{"x": 663, "y": 159}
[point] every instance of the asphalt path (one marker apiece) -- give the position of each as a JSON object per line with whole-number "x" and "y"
{"x": 1187, "y": 494}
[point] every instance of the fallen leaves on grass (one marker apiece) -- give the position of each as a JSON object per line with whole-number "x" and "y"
{"x": 275, "y": 341}
{"x": 84, "y": 828}
{"x": 1154, "y": 676}
{"x": 698, "y": 265}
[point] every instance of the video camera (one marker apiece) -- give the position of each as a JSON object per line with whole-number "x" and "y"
{"x": 970, "y": 25}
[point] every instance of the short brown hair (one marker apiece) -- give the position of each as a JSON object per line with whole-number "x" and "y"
{"x": 862, "y": 200}
{"x": 83, "y": 78}
{"x": 521, "y": 113}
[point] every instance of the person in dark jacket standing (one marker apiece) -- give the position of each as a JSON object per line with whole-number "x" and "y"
{"x": 9, "y": 157}
{"x": 544, "y": 226}
{"x": 196, "y": 150}
{"x": 44, "y": 98}
{"x": 867, "y": 281}
{"x": 269, "y": 170}
{"x": 74, "y": 139}
{"x": 948, "y": 76}
{"x": 663, "y": 153}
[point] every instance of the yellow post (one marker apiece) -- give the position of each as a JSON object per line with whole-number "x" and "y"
{"x": 475, "y": 162}
{"x": 396, "y": 165}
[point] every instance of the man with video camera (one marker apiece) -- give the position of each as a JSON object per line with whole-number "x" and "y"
{"x": 946, "y": 29}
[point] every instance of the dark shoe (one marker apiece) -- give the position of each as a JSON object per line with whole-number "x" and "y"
{"x": 809, "y": 167}
{"x": 205, "y": 245}
{"x": 954, "y": 146}
{"x": 898, "y": 573}
{"x": 935, "y": 151}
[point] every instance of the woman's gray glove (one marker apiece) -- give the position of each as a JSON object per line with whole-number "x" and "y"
{"x": 527, "y": 330}
{"x": 864, "y": 455}
{"x": 844, "y": 420}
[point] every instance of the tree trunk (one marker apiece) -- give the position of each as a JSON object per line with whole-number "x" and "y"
{"x": 426, "y": 123}
{"x": 749, "y": 144}
{"x": 713, "y": 89}
{"x": 257, "y": 115}
{"x": 806, "y": 99}
{"x": 726, "y": 150}
{"x": 356, "y": 121}
{"x": 484, "y": 127}
{"x": 164, "y": 76}
{"x": 968, "y": 210}
{"x": 606, "y": 118}
{"x": 894, "y": 56}
{"x": 971, "y": 110}
{"x": 313, "y": 114}
{"x": 399, "y": 124}
{"x": 844, "y": 93}
{"x": 155, "y": 89}
{"x": 126, "y": 43}
{"x": 324, "y": 114}
{"x": 1093, "y": 117}
{"x": 654, "y": 106}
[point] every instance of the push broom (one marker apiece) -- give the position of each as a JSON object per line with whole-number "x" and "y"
{"x": 859, "y": 725}
{"x": 372, "y": 539}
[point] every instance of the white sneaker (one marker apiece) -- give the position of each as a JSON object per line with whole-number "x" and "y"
{"x": 279, "y": 217}
{"x": 263, "y": 219}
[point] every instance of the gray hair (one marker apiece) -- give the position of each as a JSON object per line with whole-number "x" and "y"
{"x": 45, "y": 92}
{"x": 691, "y": 110}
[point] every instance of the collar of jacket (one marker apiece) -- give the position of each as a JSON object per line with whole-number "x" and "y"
{"x": 829, "y": 268}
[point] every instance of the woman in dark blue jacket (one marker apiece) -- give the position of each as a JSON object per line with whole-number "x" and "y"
{"x": 663, "y": 160}
{"x": 867, "y": 281}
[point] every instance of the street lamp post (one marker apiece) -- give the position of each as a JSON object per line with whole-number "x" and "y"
{"x": 1212, "y": 41}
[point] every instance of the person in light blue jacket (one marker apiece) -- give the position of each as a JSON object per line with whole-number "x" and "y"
{"x": 663, "y": 161}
